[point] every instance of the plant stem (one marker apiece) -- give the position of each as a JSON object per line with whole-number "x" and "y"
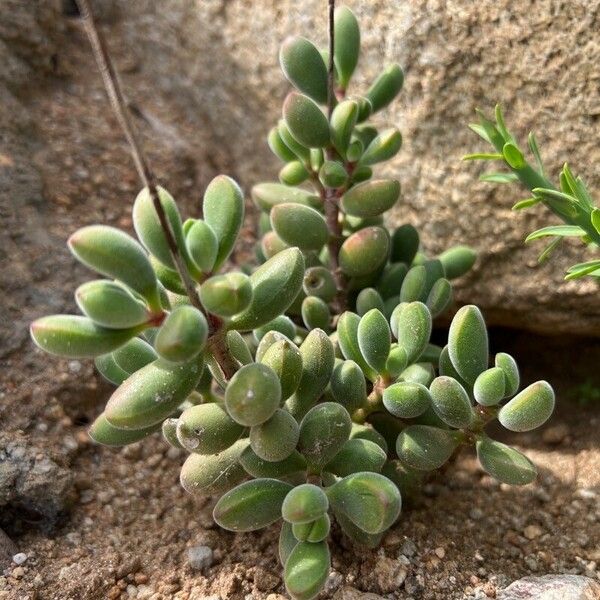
{"x": 330, "y": 196}
{"x": 113, "y": 89}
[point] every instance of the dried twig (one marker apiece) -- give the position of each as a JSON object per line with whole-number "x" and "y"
{"x": 147, "y": 177}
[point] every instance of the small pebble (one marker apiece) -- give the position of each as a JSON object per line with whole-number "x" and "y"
{"x": 408, "y": 548}
{"x": 532, "y": 531}
{"x": 440, "y": 552}
{"x": 19, "y": 558}
{"x": 200, "y": 557}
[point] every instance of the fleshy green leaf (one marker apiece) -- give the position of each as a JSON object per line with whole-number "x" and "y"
{"x": 251, "y": 505}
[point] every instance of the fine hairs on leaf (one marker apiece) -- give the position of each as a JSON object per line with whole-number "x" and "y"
{"x": 305, "y": 388}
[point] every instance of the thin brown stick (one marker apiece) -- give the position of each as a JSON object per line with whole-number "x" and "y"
{"x": 331, "y": 66}
{"x": 330, "y": 196}
{"x": 146, "y": 175}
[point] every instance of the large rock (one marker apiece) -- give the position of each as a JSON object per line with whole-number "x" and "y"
{"x": 31, "y": 482}
{"x": 552, "y": 587}
{"x": 457, "y": 55}
{"x": 204, "y": 79}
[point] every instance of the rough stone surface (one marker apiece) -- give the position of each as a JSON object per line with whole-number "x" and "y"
{"x": 31, "y": 481}
{"x": 552, "y": 587}
{"x": 7, "y": 550}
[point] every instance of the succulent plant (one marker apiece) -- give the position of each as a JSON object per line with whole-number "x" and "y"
{"x": 570, "y": 201}
{"x": 306, "y": 391}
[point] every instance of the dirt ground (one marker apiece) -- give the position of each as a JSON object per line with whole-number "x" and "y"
{"x": 130, "y": 525}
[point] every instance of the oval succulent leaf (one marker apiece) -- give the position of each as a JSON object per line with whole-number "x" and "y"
{"x": 511, "y": 372}
{"x": 317, "y": 365}
{"x": 529, "y": 409}
{"x": 306, "y": 121}
{"x": 323, "y": 432}
{"x": 275, "y": 439}
{"x": 149, "y": 230}
{"x": 293, "y": 173}
{"x": 151, "y": 394}
{"x": 207, "y": 429}
{"x": 110, "y": 304}
{"x": 440, "y": 297}
{"x": 223, "y": 210}
{"x": 425, "y": 448}
{"x": 332, "y": 174}
{"x": 285, "y": 359}
{"x": 226, "y": 295}
{"x": 371, "y": 198}
{"x": 102, "y": 432}
{"x": 211, "y": 474}
{"x": 299, "y": 225}
{"x": 413, "y": 330}
{"x": 168, "y": 277}
{"x": 275, "y": 285}
{"x": 343, "y": 120}
{"x": 490, "y": 387}
{"x": 307, "y": 569}
{"x": 451, "y": 402}
{"x": 357, "y": 455}
{"x": 405, "y": 244}
{"x": 115, "y": 254}
{"x": 386, "y": 87}
{"x": 134, "y": 355}
{"x": 315, "y": 313}
{"x": 505, "y": 463}
{"x": 370, "y": 500}
{"x": 253, "y": 394}
{"x": 367, "y": 299}
{"x": 316, "y": 531}
{"x": 347, "y": 330}
{"x": 304, "y": 504}
{"x": 468, "y": 343}
{"x": 374, "y": 339}
{"x": 251, "y": 505}
{"x": 72, "y": 336}
{"x": 457, "y": 261}
{"x": 348, "y": 385}
{"x": 368, "y": 432}
{"x": 287, "y": 542}
{"x": 396, "y": 362}
{"x": 346, "y": 44}
{"x": 406, "y": 399}
{"x": 421, "y": 372}
{"x": 268, "y": 195}
{"x": 364, "y": 252}
{"x": 278, "y": 147}
{"x": 281, "y": 324}
{"x": 202, "y": 245}
{"x": 270, "y": 245}
{"x": 183, "y": 335}
{"x": 414, "y": 284}
{"x": 109, "y": 369}
{"x": 303, "y": 66}
{"x": 258, "y": 467}
{"x": 385, "y": 146}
